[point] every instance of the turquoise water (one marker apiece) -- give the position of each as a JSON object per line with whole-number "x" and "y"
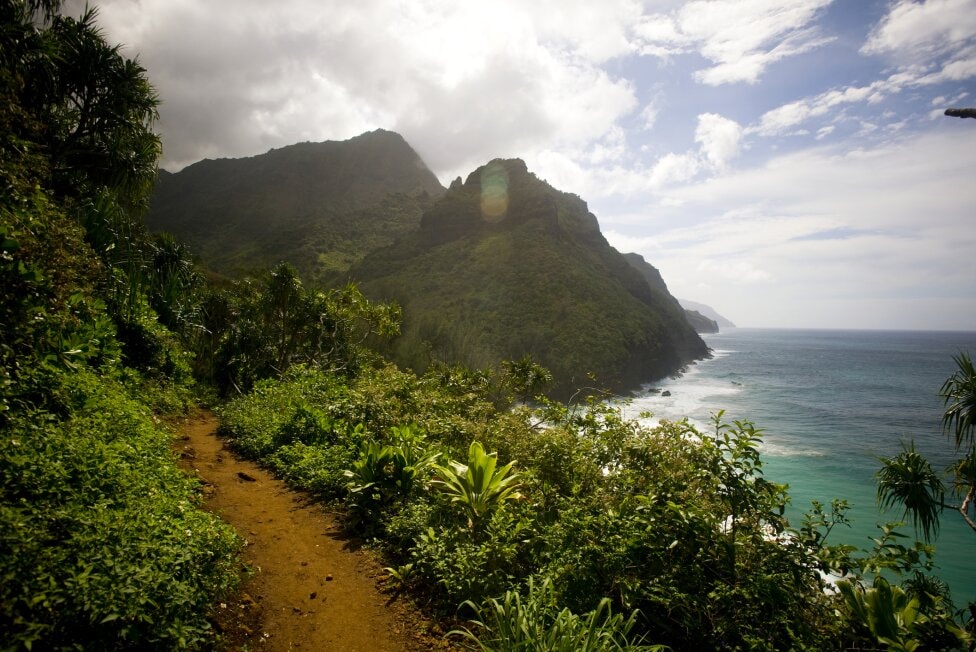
{"x": 830, "y": 404}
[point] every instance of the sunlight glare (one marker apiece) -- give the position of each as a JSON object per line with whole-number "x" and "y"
{"x": 494, "y": 192}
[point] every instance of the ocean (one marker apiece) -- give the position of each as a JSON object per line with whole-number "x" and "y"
{"x": 831, "y": 403}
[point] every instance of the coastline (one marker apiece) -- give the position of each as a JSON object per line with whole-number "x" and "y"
{"x": 830, "y": 403}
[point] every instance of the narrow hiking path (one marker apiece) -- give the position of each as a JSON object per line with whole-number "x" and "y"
{"x": 313, "y": 589}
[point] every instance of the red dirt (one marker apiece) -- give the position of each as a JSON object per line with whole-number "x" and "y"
{"x": 312, "y": 588}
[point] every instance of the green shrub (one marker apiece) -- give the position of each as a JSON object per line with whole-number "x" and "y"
{"x": 535, "y": 622}
{"x": 385, "y": 474}
{"x": 318, "y": 469}
{"x": 679, "y": 524}
{"x": 457, "y": 566}
{"x": 259, "y": 421}
{"x": 102, "y": 543}
{"x": 478, "y": 486}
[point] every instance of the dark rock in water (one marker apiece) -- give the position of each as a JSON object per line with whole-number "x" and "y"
{"x": 665, "y": 393}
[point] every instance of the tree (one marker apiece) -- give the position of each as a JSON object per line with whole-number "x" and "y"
{"x": 277, "y": 322}
{"x": 77, "y": 149}
{"x": 97, "y": 107}
{"x": 959, "y": 422}
{"x": 908, "y": 478}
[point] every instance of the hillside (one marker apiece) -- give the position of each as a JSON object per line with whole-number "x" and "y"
{"x": 505, "y": 265}
{"x": 698, "y": 321}
{"x": 707, "y": 311}
{"x": 321, "y": 206}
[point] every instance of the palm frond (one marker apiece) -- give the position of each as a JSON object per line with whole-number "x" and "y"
{"x": 907, "y": 479}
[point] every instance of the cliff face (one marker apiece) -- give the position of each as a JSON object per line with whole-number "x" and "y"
{"x": 707, "y": 311}
{"x": 505, "y": 265}
{"x": 700, "y": 322}
{"x": 321, "y": 206}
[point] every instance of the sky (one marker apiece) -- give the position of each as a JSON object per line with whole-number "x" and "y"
{"x": 786, "y": 162}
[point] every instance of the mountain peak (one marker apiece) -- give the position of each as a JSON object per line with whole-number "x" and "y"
{"x": 241, "y": 213}
{"x": 502, "y": 194}
{"x": 377, "y": 134}
{"x": 505, "y": 265}
{"x": 512, "y": 167}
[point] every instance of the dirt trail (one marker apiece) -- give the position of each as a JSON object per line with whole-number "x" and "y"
{"x": 312, "y": 589}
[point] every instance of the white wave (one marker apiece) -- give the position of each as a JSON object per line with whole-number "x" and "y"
{"x": 688, "y": 396}
{"x": 721, "y": 353}
{"x": 786, "y": 449}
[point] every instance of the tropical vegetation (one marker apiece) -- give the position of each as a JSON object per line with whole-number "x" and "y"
{"x": 529, "y": 523}
{"x": 102, "y": 542}
{"x": 908, "y": 479}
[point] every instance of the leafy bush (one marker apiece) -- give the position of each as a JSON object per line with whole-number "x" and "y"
{"x": 535, "y": 622}
{"x": 384, "y": 474}
{"x": 318, "y": 469}
{"x": 458, "y": 564}
{"x": 103, "y": 544}
{"x": 258, "y": 422}
{"x": 478, "y": 486}
{"x": 678, "y": 524}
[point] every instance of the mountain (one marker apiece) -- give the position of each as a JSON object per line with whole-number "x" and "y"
{"x": 505, "y": 265}
{"x": 700, "y": 322}
{"x": 707, "y": 311}
{"x": 321, "y": 206}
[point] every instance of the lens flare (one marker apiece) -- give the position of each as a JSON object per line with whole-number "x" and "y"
{"x": 494, "y": 192}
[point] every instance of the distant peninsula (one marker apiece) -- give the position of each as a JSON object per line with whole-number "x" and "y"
{"x": 707, "y": 312}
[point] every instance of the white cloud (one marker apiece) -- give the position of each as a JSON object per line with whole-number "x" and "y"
{"x": 611, "y": 148}
{"x": 627, "y": 243}
{"x": 608, "y": 169}
{"x": 739, "y": 271}
{"x": 823, "y": 132}
{"x": 462, "y": 82}
{"x": 674, "y": 168}
{"x": 932, "y": 42}
{"x": 890, "y": 226}
{"x": 740, "y": 38}
{"x": 784, "y": 118}
{"x": 923, "y": 29}
{"x": 650, "y": 112}
{"x": 719, "y": 138}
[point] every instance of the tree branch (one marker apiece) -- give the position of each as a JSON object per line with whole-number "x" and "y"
{"x": 961, "y": 113}
{"x": 964, "y": 508}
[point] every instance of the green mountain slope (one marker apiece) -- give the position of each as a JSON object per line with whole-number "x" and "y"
{"x": 505, "y": 265}
{"x": 698, "y": 321}
{"x": 707, "y": 311}
{"x": 321, "y": 206}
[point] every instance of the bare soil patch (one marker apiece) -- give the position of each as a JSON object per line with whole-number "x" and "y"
{"x": 312, "y": 588}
